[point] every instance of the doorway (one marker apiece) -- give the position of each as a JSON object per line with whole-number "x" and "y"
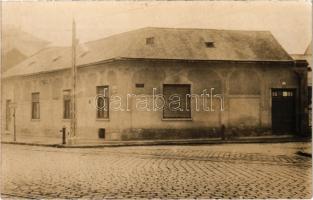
{"x": 284, "y": 110}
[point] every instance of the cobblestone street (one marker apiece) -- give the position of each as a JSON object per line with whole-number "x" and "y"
{"x": 206, "y": 171}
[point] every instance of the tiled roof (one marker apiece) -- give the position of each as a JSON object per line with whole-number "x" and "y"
{"x": 167, "y": 43}
{"x": 308, "y": 50}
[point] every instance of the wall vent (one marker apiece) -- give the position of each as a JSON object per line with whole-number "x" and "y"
{"x": 140, "y": 85}
{"x": 209, "y": 44}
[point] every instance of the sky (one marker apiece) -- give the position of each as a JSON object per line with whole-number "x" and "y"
{"x": 289, "y": 21}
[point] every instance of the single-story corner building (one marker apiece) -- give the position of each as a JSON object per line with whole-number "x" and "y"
{"x": 241, "y": 80}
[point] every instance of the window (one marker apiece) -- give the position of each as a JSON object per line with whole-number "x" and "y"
{"x": 103, "y": 102}
{"x": 177, "y": 99}
{"x": 67, "y": 104}
{"x": 209, "y": 44}
{"x": 150, "y": 40}
{"x": 35, "y": 106}
{"x": 282, "y": 93}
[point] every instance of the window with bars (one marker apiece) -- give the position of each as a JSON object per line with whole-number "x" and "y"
{"x": 172, "y": 93}
{"x": 67, "y": 104}
{"x": 103, "y": 102}
{"x": 35, "y": 105}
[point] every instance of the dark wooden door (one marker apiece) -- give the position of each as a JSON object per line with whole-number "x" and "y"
{"x": 283, "y": 110}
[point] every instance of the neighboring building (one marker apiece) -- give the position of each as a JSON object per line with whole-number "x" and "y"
{"x": 263, "y": 88}
{"x": 308, "y": 57}
{"x": 17, "y": 45}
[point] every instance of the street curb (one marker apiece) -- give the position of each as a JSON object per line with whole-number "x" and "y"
{"x": 31, "y": 144}
{"x": 212, "y": 142}
{"x": 166, "y": 142}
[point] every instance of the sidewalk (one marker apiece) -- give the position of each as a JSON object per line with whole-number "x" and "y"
{"x": 31, "y": 140}
{"x": 83, "y": 143}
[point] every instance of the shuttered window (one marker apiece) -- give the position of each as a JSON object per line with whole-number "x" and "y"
{"x": 103, "y": 102}
{"x": 177, "y": 98}
{"x": 35, "y": 106}
{"x": 66, "y": 104}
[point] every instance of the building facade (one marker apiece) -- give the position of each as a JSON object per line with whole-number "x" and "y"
{"x": 204, "y": 79}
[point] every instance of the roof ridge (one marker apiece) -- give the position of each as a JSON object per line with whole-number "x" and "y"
{"x": 154, "y": 27}
{"x": 115, "y": 35}
{"x": 213, "y": 29}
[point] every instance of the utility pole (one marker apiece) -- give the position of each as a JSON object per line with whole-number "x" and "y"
{"x": 74, "y": 83}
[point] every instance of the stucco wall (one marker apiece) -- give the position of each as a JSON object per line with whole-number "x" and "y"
{"x": 245, "y": 88}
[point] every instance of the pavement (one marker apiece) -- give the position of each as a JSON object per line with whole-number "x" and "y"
{"x": 92, "y": 143}
{"x": 264, "y": 170}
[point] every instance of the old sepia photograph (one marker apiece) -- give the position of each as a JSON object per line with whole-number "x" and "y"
{"x": 156, "y": 99}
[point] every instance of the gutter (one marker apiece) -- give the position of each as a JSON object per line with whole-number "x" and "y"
{"x": 284, "y": 62}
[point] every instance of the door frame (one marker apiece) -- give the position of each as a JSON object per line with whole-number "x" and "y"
{"x": 296, "y": 106}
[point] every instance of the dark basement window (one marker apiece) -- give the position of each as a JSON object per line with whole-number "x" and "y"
{"x": 140, "y": 85}
{"x": 209, "y": 44}
{"x": 149, "y": 40}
